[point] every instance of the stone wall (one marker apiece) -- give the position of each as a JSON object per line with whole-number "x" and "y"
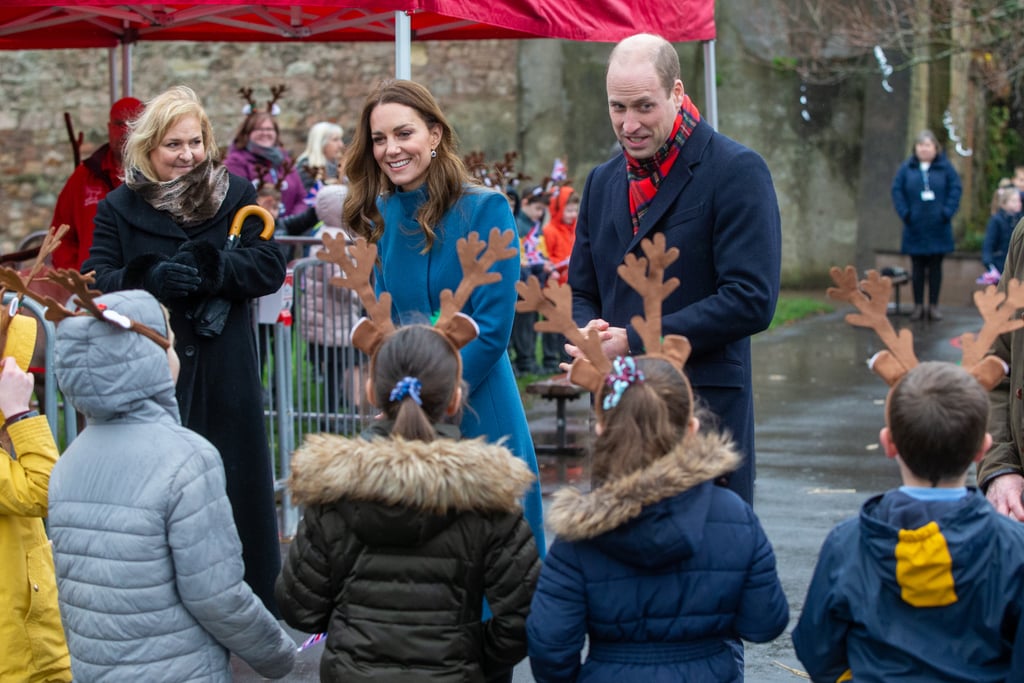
{"x": 832, "y": 167}
{"x": 475, "y": 82}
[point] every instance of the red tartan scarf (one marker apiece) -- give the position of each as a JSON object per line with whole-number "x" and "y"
{"x": 645, "y": 175}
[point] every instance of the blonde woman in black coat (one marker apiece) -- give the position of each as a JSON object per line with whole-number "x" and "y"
{"x": 164, "y": 231}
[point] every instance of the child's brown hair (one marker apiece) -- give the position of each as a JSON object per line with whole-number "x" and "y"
{"x": 415, "y": 374}
{"x": 651, "y": 417}
{"x": 937, "y": 416}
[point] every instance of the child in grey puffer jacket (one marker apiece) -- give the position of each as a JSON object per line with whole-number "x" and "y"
{"x": 149, "y": 565}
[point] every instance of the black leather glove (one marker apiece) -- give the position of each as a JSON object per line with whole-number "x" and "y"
{"x": 170, "y": 280}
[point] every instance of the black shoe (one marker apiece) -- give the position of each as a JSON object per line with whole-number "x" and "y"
{"x": 917, "y": 313}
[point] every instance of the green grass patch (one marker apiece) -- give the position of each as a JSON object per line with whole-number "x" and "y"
{"x": 793, "y": 308}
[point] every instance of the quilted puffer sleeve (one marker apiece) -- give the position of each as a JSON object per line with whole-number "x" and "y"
{"x": 557, "y": 624}
{"x": 303, "y": 588}
{"x": 209, "y": 571}
{"x": 513, "y": 566}
{"x": 763, "y": 612}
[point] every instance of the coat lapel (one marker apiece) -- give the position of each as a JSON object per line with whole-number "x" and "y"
{"x": 673, "y": 184}
{"x": 619, "y": 189}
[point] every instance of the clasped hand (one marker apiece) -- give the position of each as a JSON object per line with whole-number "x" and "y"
{"x": 175, "y": 278}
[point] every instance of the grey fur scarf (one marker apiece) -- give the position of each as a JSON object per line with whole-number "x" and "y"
{"x": 191, "y": 199}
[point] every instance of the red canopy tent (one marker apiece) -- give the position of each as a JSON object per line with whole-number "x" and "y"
{"x": 43, "y": 24}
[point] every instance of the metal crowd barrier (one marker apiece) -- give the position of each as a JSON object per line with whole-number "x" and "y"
{"x": 313, "y": 378}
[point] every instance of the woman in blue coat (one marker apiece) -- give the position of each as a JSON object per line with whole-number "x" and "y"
{"x": 410, "y": 193}
{"x": 926, "y": 194}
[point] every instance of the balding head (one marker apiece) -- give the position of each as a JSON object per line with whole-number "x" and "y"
{"x": 647, "y": 48}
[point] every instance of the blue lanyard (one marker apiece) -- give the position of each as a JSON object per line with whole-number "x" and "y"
{"x": 924, "y": 177}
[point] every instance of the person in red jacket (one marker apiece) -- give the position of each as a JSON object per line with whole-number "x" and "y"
{"x": 560, "y": 232}
{"x": 88, "y": 184}
{"x": 559, "y": 238}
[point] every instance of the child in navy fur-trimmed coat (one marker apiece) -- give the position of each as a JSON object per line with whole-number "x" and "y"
{"x": 660, "y": 567}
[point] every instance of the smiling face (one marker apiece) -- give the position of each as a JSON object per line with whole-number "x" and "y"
{"x": 402, "y": 142}
{"x": 180, "y": 150}
{"x": 263, "y": 132}
{"x": 642, "y": 112}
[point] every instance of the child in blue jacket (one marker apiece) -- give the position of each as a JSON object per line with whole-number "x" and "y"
{"x": 928, "y": 583}
{"x": 1000, "y": 227}
{"x": 661, "y": 568}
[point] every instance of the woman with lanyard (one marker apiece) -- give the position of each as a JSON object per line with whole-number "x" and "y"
{"x": 926, "y": 194}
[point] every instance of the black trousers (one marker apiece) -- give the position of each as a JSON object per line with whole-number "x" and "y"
{"x": 926, "y": 266}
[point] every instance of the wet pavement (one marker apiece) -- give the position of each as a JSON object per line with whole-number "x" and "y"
{"x": 818, "y": 411}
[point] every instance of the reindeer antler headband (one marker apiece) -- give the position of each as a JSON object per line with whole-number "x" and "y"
{"x": 646, "y": 275}
{"x": 272, "y": 107}
{"x": 75, "y": 283}
{"x": 871, "y": 298}
{"x": 356, "y": 262}
{"x": 11, "y": 280}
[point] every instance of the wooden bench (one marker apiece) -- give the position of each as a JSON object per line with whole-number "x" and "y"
{"x": 561, "y": 391}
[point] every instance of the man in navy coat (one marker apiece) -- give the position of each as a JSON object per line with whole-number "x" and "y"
{"x": 711, "y": 197}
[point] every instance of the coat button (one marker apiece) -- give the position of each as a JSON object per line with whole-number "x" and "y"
{"x": 190, "y": 351}
{"x": 35, "y": 587}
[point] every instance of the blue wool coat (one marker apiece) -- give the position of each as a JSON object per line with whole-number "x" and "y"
{"x": 927, "y": 226}
{"x": 660, "y": 589}
{"x": 415, "y": 282}
{"x": 997, "y": 238}
{"x": 718, "y": 205}
{"x": 953, "y": 612}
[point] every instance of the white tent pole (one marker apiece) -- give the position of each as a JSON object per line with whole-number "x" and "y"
{"x": 710, "y": 85}
{"x": 112, "y": 72}
{"x": 403, "y": 50}
{"x": 126, "y": 69}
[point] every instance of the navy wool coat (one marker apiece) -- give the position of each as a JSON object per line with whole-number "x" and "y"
{"x": 927, "y": 226}
{"x": 718, "y": 206}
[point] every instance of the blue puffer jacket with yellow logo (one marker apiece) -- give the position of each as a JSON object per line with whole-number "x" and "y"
{"x": 917, "y": 591}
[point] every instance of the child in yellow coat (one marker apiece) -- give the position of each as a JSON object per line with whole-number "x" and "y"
{"x": 32, "y": 646}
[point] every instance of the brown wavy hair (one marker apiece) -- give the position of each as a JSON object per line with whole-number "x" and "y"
{"x": 447, "y": 175}
{"x": 651, "y": 419}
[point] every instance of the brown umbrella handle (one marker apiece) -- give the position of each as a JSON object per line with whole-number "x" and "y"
{"x": 252, "y": 210}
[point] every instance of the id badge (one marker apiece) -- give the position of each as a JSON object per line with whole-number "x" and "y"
{"x": 927, "y": 196}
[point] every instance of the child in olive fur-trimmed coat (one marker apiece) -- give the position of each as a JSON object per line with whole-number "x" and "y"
{"x": 407, "y": 530}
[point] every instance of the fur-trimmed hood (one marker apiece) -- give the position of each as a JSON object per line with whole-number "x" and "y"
{"x": 434, "y": 477}
{"x": 622, "y": 508}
